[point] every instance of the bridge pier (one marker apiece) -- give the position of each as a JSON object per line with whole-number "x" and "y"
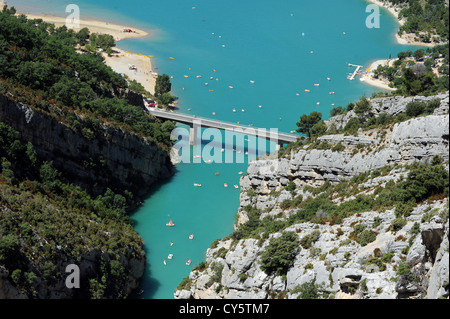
{"x": 192, "y": 136}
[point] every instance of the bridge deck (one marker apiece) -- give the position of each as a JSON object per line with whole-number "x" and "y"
{"x": 205, "y": 122}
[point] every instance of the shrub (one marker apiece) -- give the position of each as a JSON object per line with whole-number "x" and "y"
{"x": 280, "y": 254}
{"x": 367, "y": 236}
{"x": 307, "y": 241}
{"x": 415, "y": 108}
{"x": 308, "y": 290}
{"x": 398, "y": 224}
{"x": 362, "y": 106}
{"x": 338, "y": 147}
{"x": 336, "y": 111}
{"x": 422, "y": 182}
{"x": 352, "y": 125}
{"x": 404, "y": 269}
{"x": 291, "y": 186}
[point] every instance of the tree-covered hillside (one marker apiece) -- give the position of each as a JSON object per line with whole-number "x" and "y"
{"x": 41, "y": 68}
{"x": 428, "y": 19}
{"x": 47, "y": 220}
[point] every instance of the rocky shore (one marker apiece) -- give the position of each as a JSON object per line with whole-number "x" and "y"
{"x": 332, "y": 263}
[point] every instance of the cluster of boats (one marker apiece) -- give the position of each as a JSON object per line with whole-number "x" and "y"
{"x": 170, "y": 223}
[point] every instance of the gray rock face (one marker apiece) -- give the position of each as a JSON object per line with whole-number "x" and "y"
{"x": 336, "y": 263}
{"x": 130, "y": 161}
{"x": 438, "y": 286}
{"x": 392, "y": 105}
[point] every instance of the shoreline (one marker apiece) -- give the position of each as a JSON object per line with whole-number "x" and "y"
{"x": 367, "y": 76}
{"x": 141, "y": 65}
{"x": 404, "y": 39}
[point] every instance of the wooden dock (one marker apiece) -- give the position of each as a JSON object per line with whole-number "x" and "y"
{"x": 351, "y": 76}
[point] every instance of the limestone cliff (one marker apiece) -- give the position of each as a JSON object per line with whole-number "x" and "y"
{"x": 332, "y": 260}
{"x": 111, "y": 157}
{"x": 108, "y": 157}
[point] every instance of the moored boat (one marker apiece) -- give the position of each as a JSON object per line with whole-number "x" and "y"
{"x": 170, "y": 224}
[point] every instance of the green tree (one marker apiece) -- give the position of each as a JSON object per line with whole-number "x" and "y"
{"x": 307, "y": 122}
{"x": 319, "y": 129}
{"x": 162, "y": 85}
{"x": 166, "y": 98}
{"x": 9, "y": 249}
{"x": 280, "y": 253}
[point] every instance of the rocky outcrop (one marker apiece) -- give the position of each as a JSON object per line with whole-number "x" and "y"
{"x": 336, "y": 264}
{"x": 339, "y": 266}
{"x": 109, "y": 157}
{"x": 392, "y": 105}
{"x": 89, "y": 264}
{"x": 418, "y": 139}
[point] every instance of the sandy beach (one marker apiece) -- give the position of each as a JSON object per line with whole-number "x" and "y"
{"x": 367, "y": 77}
{"x": 405, "y": 38}
{"x": 142, "y": 71}
{"x": 136, "y": 66}
{"x": 117, "y": 31}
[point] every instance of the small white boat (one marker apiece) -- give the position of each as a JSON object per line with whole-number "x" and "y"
{"x": 206, "y": 83}
{"x": 198, "y": 76}
{"x": 170, "y": 223}
{"x": 165, "y": 262}
{"x": 236, "y": 186}
{"x": 170, "y": 256}
{"x": 316, "y": 84}
{"x": 252, "y": 82}
{"x": 197, "y": 185}
{"x": 234, "y": 110}
{"x": 260, "y": 106}
{"x": 241, "y": 172}
{"x": 225, "y": 185}
{"x": 191, "y": 236}
{"x": 208, "y": 161}
{"x": 230, "y": 87}
{"x": 188, "y": 262}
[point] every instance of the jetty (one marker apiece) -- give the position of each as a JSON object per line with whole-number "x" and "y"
{"x": 351, "y": 76}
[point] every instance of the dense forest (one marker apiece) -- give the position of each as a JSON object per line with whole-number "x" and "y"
{"x": 41, "y": 67}
{"x": 47, "y": 221}
{"x": 429, "y": 20}
{"x": 423, "y": 72}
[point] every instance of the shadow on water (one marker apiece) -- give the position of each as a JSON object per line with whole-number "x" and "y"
{"x": 148, "y": 285}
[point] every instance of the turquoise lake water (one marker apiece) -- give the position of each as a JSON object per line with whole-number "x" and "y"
{"x": 285, "y": 47}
